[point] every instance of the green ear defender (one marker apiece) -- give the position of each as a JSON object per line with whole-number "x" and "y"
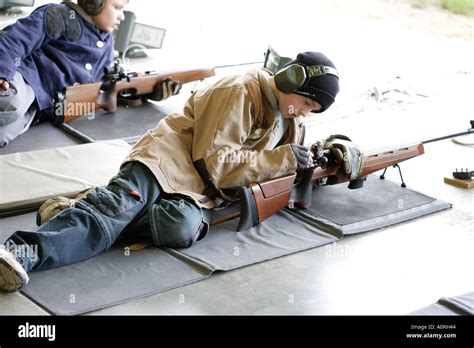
{"x": 91, "y": 7}
{"x": 296, "y": 76}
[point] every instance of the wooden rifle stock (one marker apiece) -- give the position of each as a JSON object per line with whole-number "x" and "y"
{"x": 79, "y": 100}
{"x": 261, "y": 200}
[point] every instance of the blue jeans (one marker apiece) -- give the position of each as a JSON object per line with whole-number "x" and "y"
{"x": 98, "y": 220}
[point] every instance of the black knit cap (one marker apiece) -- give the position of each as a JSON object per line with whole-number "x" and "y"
{"x": 322, "y": 89}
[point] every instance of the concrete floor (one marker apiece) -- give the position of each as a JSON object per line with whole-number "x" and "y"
{"x": 392, "y": 271}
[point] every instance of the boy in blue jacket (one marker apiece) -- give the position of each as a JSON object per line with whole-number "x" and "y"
{"x": 58, "y": 45}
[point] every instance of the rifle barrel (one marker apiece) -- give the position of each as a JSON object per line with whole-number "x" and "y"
{"x": 469, "y": 131}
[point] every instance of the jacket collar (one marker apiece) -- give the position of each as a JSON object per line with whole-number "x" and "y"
{"x": 267, "y": 90}
{"x": 87, "y": 18}
{"x": 80, "y": 11}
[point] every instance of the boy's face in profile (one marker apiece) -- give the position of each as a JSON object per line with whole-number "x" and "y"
{"x": 111, "y": 15}
{"x": 294, "y": 105}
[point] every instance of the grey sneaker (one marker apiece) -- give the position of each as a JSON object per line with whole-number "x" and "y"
{"x": 12, "y": 275}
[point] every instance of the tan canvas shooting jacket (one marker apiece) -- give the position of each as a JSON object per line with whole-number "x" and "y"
{"x": 230, "y": 125}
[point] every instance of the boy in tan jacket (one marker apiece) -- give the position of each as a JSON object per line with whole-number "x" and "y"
{"x": 240, "y": 130}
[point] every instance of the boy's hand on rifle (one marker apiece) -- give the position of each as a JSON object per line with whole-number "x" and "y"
{"x": 4, "y": 84}
{"x": 165, "y": 89}
{"x": 302, "y": 155}
{"x": 347, "y": 154}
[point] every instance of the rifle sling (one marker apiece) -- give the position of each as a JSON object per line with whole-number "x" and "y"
{"x": 210, "y": 190}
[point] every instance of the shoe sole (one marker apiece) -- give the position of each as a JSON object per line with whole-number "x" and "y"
{"x": 10, "y": 279}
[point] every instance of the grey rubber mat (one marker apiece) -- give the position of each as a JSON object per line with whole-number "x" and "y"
{"x": 457, "y": 305}
{"x": 119, "y": 276}
{"x": 282, "y": 234}
{"x": 378, "y": 204}
{"x": 41, "y": 137}
{"x": 125, "y": 123}
{"x": 112, "y": 278}
{"x": 336, "y": 211}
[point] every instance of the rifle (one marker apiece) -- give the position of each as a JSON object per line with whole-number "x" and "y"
{"x": 79, "y": 100}
{"x": 260, "y": 200}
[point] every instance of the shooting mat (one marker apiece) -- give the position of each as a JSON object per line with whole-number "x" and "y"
{"x": 40, "y": 137}
{"x": 114, "y": 277}
{"x": 63, "y": 171}
{"x": 378, "y": 204}
{"x": 127, "y": 123}
{"x": 117, "y": 276}
{"x": 121, "y": 275}
{"x": 457, "y": 305}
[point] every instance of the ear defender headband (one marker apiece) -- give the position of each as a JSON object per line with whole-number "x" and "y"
{"x": 91, "y": 7}
{"x": 297, "y": 76}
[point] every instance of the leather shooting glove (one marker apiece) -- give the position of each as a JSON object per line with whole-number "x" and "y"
{"x": 165, "y": 89}
{"x": 301, "y": 154}
{"x": 346, "y": 153}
